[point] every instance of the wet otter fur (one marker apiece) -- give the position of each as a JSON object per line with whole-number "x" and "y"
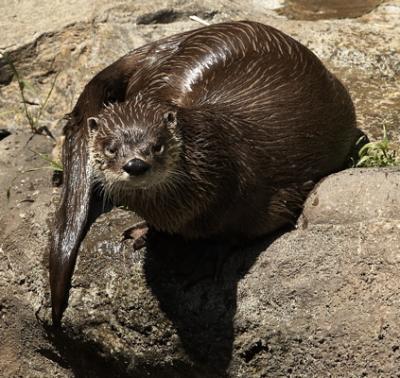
{"x": 216, "y": 132}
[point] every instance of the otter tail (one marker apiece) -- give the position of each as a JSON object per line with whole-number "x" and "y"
{"x": 80, "y": 205}
{"x": 71, "y": 219}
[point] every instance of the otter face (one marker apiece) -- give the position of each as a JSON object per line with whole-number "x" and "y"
{"x": 130, "y": 151}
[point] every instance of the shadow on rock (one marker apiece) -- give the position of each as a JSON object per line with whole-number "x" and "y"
{"x": 83, "y": 359}
{"x": 196, "y": 286}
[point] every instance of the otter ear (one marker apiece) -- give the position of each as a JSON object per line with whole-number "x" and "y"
{"x": 93, "y": 123}
{"x": 169, "y": 118}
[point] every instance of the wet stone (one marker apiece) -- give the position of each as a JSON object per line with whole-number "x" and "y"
{"x": 327, "y": 9}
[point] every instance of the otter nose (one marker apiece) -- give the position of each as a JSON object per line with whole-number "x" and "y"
{"x": 136, "y": 167}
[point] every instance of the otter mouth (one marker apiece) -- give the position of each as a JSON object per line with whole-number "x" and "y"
{"x": 144, "y": 181}
{"x": 132, "y": 175}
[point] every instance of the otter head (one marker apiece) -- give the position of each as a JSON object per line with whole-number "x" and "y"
{"x": 133, "y": 146}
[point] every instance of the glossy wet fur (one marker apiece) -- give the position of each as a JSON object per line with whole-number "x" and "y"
{"x": 132, "y": 149}
{"x": 258, "y": 119}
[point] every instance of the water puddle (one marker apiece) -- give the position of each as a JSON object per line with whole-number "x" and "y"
{"x": 324, "y": 9}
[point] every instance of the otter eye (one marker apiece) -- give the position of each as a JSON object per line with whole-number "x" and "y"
{"x": 158, "y": 148}
{"x": 110, "y": 151}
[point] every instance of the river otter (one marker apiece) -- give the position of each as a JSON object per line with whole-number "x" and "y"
{"x": 215, "y": 132}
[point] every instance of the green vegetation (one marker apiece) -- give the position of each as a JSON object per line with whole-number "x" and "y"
{"x": 54, "y": 165}
{"x": 33, "y": 117}
{"x": 378, "y": 154}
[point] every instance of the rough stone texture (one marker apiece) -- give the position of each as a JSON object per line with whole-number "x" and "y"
{"x": 377, "y": 200}
{"x": 23, "y": 278}
{"x": 320, "y": 300}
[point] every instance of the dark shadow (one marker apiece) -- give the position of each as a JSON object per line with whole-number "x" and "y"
{"x": 202, "y": 307}
{"x": 4, "y": 134}
{"x": 83, "y": 359}
{"x": 87, "y": 360}
{"x": 181, "y": 275}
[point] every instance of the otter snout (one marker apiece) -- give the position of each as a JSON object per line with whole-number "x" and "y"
{"x": 136, "y": 167}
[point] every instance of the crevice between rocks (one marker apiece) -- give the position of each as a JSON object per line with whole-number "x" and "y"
{"x": 169, "y": 15}
{"x": 4, "y": 133}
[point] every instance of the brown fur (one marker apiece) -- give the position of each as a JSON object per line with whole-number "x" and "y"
{"x": 256, "y": 119}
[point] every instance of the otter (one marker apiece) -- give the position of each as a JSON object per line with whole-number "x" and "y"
{"x": 218, "y": 132}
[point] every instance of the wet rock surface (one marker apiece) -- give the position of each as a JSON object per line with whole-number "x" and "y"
{"x": 326, "y": 9}
{"x": 319, "y": 298}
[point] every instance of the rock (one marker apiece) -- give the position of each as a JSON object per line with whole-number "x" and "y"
{"x": 6, "y": 74}
{"x": 363, "y": 52}
{"x": 24, "y": 346}
{"x": 369, "y": 195}
{"x": 23, "y": 23}
{"x": 162, "y": 16}
{"x": 319, "y": 298}
{"x": 317, "y": 9}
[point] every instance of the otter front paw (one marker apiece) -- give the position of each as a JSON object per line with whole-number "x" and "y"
{"x": 138, "y": 233}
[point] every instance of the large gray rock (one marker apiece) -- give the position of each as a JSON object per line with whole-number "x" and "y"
{"x": 317, "y": 300}
{"x": 367, "y": 201}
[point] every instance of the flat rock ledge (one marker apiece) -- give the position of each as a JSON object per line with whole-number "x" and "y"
{"x": 320, "y": 300}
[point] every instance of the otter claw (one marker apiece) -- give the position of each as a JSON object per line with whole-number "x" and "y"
{"x": 138, "y": 233}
